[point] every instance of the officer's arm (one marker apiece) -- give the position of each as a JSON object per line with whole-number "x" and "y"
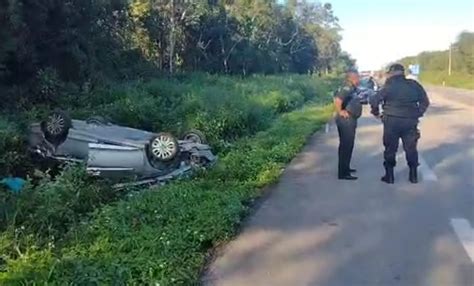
{"x": 375, "y": 102}
{"x": 339, "y": 100}
{"x": 423, "y": 100}
{"x": 338, "y": 104}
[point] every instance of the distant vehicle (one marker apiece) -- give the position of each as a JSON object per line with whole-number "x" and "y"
{"x": 366, "y": 89}
{"x": 114, "y": 151}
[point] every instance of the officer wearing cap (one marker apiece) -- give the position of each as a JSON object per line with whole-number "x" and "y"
{"x": 403, "y": 101}
{"x": 349, "y": 109}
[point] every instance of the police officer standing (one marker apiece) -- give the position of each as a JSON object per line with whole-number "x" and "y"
{"x": 404, "y": 101}
{"x": 349, "y": 109}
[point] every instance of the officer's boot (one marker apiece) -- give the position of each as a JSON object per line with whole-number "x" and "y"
{"x": 389, "y": 177}
{"x": 413, "y": 175}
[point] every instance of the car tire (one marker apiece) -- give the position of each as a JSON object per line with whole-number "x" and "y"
{"x": 56, "y": 127}
{"x": 163, "y": 147}
{"x": 195, "y": 136}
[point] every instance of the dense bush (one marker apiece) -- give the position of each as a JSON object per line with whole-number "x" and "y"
{"x": 13, "y": 154}
{"x": 224, "y": 108}
{"x": 161, "y": 237}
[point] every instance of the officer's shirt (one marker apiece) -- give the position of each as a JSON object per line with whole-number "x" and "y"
{"x": 401, "y": 97}
{"x": 350, "y": 101}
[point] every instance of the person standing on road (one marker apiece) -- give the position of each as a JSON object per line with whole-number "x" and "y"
{"x": 404, "y": 101}
{"x": 371, "y": 83}
{"x": 349, "y": 109}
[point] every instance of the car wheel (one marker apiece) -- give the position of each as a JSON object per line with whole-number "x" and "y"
{"x": 195, "y": 136}
{"x": 163, "y": 147}
{"x": 56, "y": 127}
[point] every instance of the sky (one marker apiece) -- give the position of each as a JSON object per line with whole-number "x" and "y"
{"x": 378, "y": 32}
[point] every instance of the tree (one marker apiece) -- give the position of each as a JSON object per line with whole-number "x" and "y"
{"x": 462, "y": 56}
{"x": 465, "y": 49}
{"x": 47, "y": 44}
{"x": 344, "y": 62}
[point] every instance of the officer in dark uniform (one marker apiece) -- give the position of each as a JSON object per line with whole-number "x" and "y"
{"x": 404, "y": 101}
{"x": 348, "y": 109}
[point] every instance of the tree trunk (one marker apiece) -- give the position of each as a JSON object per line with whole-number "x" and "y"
{"x": 161, "y": 55}
{"x": 172, "y": 38}
{"x": 223, "y": 53}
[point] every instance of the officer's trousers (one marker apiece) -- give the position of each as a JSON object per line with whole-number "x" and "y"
{"x": 395, "y": 128}
{"x": 347, "y": 130}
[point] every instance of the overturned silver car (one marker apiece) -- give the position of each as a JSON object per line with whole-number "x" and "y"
{"x": 114, "y": 151}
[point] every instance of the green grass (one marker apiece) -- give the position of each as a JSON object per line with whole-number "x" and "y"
{"x": 457, "y": 79}
{"x": 76, "y": 230}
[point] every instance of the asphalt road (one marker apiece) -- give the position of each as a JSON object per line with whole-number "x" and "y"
{"x": 316, "y": 230}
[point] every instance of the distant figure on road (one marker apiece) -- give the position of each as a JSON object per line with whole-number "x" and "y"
{"x": 371, "y": 83}
{"x": 349, "y": 109}
{"x": 404, "y": 101}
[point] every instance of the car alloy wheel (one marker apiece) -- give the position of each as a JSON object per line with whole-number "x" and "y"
{"x": 56, "y": 127}
{"x": 55, "y": 124}
{"x": 163, "y": 147}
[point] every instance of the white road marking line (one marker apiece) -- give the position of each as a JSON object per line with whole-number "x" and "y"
{"x": 426, "y": 173}
{"x": 465, "y": 234}
{"x": 327, "y": 128}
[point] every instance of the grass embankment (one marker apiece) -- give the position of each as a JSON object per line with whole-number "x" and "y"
{"x": 457, "y": 79}
{"x": 75, "y": 230}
